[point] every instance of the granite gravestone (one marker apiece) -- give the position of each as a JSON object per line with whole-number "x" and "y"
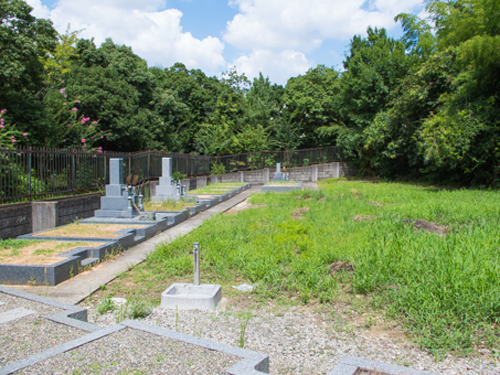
{"x": 167, "y": 189}
{"x": 117, "y": 202}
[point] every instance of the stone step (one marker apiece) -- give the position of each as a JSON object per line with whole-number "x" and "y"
{"x": 89, "y": 261}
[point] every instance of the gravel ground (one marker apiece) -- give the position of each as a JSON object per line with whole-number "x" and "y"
{"x": 306, "y": 341}
{"x": 31, "y": 334}
{"x": 131, "y": 351}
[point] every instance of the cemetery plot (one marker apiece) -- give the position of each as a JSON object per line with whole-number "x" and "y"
{"x": 38, "y": 252}
{"x": 135, "y": 351}
{"x": 88, "y": 231}
{"x": 27, "y": 334}
{"x": 168, "y": 205}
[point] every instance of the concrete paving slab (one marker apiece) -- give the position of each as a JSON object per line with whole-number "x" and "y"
{"x": 14, "y": 314}
{"x": 75, "y": 290}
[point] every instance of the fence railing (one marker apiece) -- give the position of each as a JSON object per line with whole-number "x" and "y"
{"x": 39, "y": 173}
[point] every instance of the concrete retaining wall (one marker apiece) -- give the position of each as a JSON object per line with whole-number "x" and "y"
{"x": 312, "y": 173}
{"x": 15, "y": 220}
{"x": 23, "y": 218}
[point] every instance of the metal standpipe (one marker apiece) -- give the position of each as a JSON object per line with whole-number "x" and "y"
{"x": 196, "y": 256}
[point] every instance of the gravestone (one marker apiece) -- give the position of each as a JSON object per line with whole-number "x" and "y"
{"x": 167, "y": 188}
{"x": 117, "y": 202}
{"x": 279, "y": 175}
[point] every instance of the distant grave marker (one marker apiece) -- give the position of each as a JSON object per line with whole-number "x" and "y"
{"x": 167, "y": 190}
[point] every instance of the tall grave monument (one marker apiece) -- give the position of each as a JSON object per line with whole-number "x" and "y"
{"x": 117, "y": 202}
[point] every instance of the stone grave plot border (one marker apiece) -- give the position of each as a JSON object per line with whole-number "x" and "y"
{"x": 352, "y": 365}
{"x": 70, "y": 315}
{"x": 219, "y": 198}
{"x": 128, "y": 236}
{"x": 53, "y": 274}
{"x": 251, "y": 363}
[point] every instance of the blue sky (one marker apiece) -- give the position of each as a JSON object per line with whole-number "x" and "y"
{"x": 280, "y": 38}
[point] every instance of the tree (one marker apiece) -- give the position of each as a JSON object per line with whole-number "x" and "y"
{"x": 24, "y": 40}
{"x": 311, "y": 103}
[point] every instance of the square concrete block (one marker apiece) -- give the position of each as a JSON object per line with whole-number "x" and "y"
{"x": 191, "y": 297}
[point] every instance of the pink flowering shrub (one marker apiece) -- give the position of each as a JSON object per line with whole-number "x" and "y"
{"x": 9, "y": 136}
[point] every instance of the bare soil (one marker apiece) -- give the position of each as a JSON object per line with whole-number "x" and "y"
{"x": 428, "y": 227}
{"x": 88, "y": 230}
{"x": 299, "y": 214}
{"x": 41, "y": 253}
{"x": 363, "y": 217}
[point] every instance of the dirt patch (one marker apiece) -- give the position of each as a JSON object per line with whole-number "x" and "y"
{"x": 364, "y": 217}
{"x": 88, "y": 230}
{"x": 337, "y": 266}
{"x": 298, "y": 214}
{"x": 41, "y": 253}
{"x": 243, "y": 206}
{"x": 428, "y": 227}
{"x": 378, "y": 204}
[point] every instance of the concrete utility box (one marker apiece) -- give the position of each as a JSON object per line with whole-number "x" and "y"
{"x": 191, "y": 297}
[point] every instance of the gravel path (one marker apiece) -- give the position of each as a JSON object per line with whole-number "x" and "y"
{"x": 303, "y": 341}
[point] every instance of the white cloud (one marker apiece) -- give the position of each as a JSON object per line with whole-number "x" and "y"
{"x": 39, "y": 10}
{"x": 279, "y": 66}
{"x": 297, "y": 24}
{"x": 154, "y": 33}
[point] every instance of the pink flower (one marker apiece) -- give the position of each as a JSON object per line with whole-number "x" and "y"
{"x": 69, "y": 125}
{"x": 25, "y": 134}
{"x": 101, "y": 136}
{"x": 74, "y": 109}
{"x": 94, "y": 122}
{"x": 61, "y": 91}
{"x": 77, "y": 101}
{"x": 1, "y": 127}
{"x": 3, "y": 111}
{"x": 85, "y": 119}
{"x": 13, "y": 141}
{"x": 83, "y": 140}
{"x": 2, "y": 121}
{"x": 12, "y": 136}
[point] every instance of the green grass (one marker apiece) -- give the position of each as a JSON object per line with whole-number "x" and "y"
{"x": 443, "y": 289}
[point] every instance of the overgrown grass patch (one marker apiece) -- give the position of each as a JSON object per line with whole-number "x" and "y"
{"x": 443, "y": 288}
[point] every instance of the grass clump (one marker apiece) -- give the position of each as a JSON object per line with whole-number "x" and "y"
{"x": 442, "y": 285}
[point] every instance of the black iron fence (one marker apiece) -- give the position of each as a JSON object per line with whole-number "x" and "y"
{"x": 39, "y": 173}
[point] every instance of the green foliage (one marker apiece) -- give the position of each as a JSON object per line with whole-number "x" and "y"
{"x": 424, "y": 106}
{"x": 217, "y": 169}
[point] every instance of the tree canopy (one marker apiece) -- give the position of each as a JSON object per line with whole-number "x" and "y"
{"x": 425, "y": 105}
